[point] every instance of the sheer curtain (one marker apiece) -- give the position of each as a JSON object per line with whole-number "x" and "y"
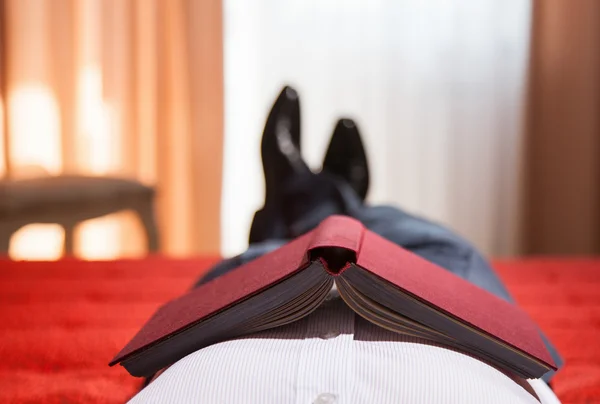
{"x": 438, "y": 89}
{"x": 111, "y": 87}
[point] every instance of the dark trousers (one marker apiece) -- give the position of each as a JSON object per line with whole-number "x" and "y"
{"x": 424, "y": 238}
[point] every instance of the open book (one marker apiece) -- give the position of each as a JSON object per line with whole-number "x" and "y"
{"x": 379, "y": 280}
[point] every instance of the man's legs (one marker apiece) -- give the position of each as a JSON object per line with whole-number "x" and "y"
{"x": 297, "y": 200}
{"x": 424, "y": 238}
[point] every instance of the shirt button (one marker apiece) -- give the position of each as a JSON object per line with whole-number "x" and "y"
{"x": 330, "y": 334}
{"x": 325, "y": 398}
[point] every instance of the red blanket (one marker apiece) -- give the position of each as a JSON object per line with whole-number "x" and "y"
{"x": 61, "y": 322}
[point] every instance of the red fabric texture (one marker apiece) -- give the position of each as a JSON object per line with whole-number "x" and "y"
{"x": 61, "y": 322}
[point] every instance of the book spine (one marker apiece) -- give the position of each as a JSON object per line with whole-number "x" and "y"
{"x": 336, "y": 243}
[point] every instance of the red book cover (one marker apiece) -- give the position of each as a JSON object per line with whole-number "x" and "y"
{"x": 410, "y": 273}
{"x": 453, "y": 295}
{"x": 219, "y": 294}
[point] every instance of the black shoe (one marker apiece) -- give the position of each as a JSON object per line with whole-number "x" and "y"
{"x": 346, "y": 157}
{"x": 281, "y": 159}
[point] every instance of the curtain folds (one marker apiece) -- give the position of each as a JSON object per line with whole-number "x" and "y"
{"x": 467, "y": 119}
{"x": 562, "y": 192}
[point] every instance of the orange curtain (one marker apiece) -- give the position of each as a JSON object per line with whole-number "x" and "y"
{"x": 563, "y": 158}
{"x": 110, "y": 87}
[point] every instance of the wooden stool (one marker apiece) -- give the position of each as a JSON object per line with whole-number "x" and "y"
{"x": 69, "y": 200}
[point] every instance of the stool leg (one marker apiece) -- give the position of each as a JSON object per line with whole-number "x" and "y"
{"x": 5, "y": 235}
{"x": 68, "y": 245}
{"x": 145, "y": 211}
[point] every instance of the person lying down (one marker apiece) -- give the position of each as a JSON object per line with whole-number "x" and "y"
{"x": 334, "y": 355}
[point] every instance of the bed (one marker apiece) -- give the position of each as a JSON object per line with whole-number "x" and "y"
{"x": 61, "y": 322}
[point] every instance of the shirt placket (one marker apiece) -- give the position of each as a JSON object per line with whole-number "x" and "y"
{"x": 326, "y": 359}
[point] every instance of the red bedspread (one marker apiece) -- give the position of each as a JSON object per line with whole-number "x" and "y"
{"x": 61, "y": 322}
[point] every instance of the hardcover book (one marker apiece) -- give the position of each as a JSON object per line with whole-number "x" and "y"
{"x": 382, "y": 282}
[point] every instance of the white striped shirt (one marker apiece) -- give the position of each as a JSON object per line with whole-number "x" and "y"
{"x": 334, "y": 356}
